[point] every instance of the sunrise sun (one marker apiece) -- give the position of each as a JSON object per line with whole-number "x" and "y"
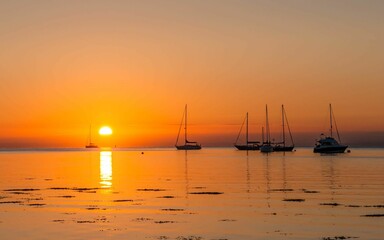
{"x": 105, "y": 130}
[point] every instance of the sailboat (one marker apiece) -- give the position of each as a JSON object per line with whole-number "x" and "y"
{"x": 188, "y": 145}
{"x": 267, "y": 145}
{"x": 249, "y": 145}
{"x": 90, "y": 144}
{"x": 280, "y": 146}
{"x": 328, "y": 144}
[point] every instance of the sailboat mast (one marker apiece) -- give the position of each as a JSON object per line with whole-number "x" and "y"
{"x": 267, "y": 124}
{"x": 246, "y": 131}
{"x": 282, "y": 116}
{"x": 262, "y": 135}
{"x": 185, "y": 127}
{"x": 330, "y": 117}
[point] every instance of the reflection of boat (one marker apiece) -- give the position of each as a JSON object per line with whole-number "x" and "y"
{"x": 267, "y": 146}
{"x": 327, "y": 144}
{"x": 249, "y": 145}
{"x": 280, "y": 146}
{"x": 90, "y": 144}
{"x": 188, "y": 145}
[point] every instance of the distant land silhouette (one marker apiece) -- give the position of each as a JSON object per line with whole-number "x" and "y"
{"x": 302, "y": 139}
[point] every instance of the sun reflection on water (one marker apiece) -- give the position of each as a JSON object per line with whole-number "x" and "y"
{"x": 105, "y": 169}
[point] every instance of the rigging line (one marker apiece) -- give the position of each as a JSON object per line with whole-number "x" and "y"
{"x": 241, "y": 128}
{"x": 337, "y": 130}
{"x": 181, "y": 124}
{"x": 289, "y": 129}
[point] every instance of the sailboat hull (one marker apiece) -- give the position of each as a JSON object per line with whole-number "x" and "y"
{"x": 247, "y": 147}
{"x": 266, "y": 149}
{"x": 188, "y": 147}
{"x": 330, "y": 149}
{"x": 283, "y": 149}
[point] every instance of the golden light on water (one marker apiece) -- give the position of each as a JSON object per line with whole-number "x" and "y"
{"x": 105, "y": 169}
{"x": 105, "y": 130}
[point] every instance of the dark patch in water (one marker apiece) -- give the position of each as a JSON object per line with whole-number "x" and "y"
{"x": 281, "y": 190}
{"x": 173, "y": 209}
{"x": 10, "y": 202}
{"x": 21, "y": 190}
{"x": 29, "y": 178}
{"x": 85, "y": 221}
{"x": 331, "y": 204}
{"x": 374, "y": 206}
{"x": 353, "y": 206}
{"x": 84, "y": 189}
{"x": 123, "y": 200}
{"x": 162, "y": 237}
{"x": 293, "y": 199}
{"x": 66, "y": 196}
{"x": 309, "y": 191}
{"x": 58, "y": 220}
{"x": 337, "y": 237}
{"x": 166, "y": 197}
{"x": 36, "y": 204}
{"x": 373, "y": 215}
{"x": 150, "y": 189}
{"x": 19, "y": 193}
{"x": 59, "y": 188}
{"x": 142, "y": 219}
{"x": 48, "y": 179}
{"x": 208, "y": 193}
{"x": 92, "y": 208}
{"x": 162, "y": 222}
{"x": 199, "y": 188}
{"x": 189, "y": 238}
{"x": 227, "y": 220}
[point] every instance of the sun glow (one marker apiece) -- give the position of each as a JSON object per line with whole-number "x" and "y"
{"x": 105, "y": 130}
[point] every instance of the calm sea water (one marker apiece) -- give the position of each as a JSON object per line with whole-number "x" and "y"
{"x": 217, "y": 193}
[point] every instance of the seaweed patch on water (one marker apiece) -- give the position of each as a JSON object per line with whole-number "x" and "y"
{"x": 281, "y": 190}
{"x": 123, "y": 200}
{"x": 206, "y": 193}
{"x": 173, "y": 209}
{"x": 198, "y": 187}
{"x": 309, "y": 191}
{"x": 372, "y": 215}
{"x": 48, "y": 179}
{"x": 331, "y": 204}
{"x": 189, "y": 238}
{"x": 150, "y": 189}
{"x": 58, "y": 220}
{"x": 227, "y": 220}
{"x": 374, "y": 206}
{"x": 294, "y": 200}
{"x": 337, "y": 237}
{"x": 166, "y": 197}
{"x": 162, "y": 222}
{"x": 11, "y": 202}
{"x": 92, "y": 208}
{"x": 66, "y": 196}
{"x": 36, "y": 204}
{"x": 162, "y": 237}
{"x": 59, "y": 188}
{"x": 85, "y": 221}
{"x": 21, "y": 190}
{"x": 142, "y": 219}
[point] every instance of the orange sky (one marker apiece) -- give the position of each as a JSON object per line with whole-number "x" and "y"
{"x": 133, "y": 65}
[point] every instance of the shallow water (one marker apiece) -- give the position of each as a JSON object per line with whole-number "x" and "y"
{"x": 216, "y": 193}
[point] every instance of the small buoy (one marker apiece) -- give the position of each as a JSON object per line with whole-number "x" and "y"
{"x": 142, "y": 152}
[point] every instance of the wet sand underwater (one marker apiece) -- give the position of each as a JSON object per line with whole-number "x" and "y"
{"x": 214, "y": 193}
